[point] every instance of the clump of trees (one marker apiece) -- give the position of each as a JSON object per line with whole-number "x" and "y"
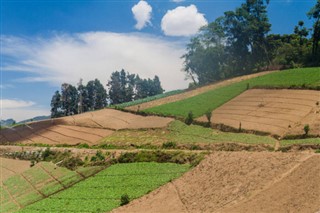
{"x": 122, "y": 87}
{"x": 75, "y": 100}
{"x": 239, "y": 43}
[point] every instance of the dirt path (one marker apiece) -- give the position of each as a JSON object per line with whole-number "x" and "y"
{"x": 225, "y": 180}
{"x": 195, "y": 92}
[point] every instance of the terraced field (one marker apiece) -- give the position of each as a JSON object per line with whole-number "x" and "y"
{"x": 11, "y": 167}
{"x": 87, "y": 128}
{"x": 279, "y": 112}
{"x": 37, "y": 183}
{"x": 102, "y": 192}
{"x": 200, "y": 103}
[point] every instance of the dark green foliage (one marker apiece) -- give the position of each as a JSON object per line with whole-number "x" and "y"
{"x": 169, "y": 145}
{"x": 189, "y": 118}
{"x": 317, "y": 151}
{"x": 126, "y": 87}
{"x": 124, "y": 200}
{"x": 209, "y": 115}
{"x": 306, "y": 129}
{"x": 56, "y": 108}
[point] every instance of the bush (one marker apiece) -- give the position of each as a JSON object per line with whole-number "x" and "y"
{"x": 209, "y": 115}
{"x": 306, "y": 129}
{"x": 169, "y": 145}
{"x": 189, "y": 118}
{"x": 124, "y": 200}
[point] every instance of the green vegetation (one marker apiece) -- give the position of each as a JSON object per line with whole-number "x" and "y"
{"x": 178, "y": 133}
{"x": 147, "y": 99}
{"x": 199, "y": 105}
{"x": 38, "y": 182}
{"x": 103, "y": 192}
{"x": 300, "y": 141}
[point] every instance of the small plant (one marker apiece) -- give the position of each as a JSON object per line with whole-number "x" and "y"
{"x": 124, "y": 200}
{"x": 248, "y": 86}
{"x": 169, "y": 145}
{"x": 239, "y": 127}
{"x": 209, "y": 115}
{"x": 306, "y": 129}
{"x": 189, "y": 118}
{"x": 32, "y": 163}
{"x": 317, "y": 103}
{"x": 317, "y": 151}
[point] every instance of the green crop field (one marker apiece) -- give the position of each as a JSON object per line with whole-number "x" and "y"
{"x": 102, "y": 192}
{"x": 181, "y": 133}
{"x": 300, "y": 141}
{"x": 147, "y": 99}
{"x": 200, "y": 104}
{"x": 37, "y": 183}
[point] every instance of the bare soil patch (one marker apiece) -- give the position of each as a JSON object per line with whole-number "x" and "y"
{"x": 194, "y": 92}
{"x": 87, "y": 128}
{"x": 10, "y": 167}
{"x": 230, "y": 180}
{"x": 279, "y": 112}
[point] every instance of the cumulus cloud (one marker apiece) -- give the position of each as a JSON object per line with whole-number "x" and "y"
{"x": 69, "y": 57}
{"x": 142, "y": 14}
{"x": 182, "y": 21}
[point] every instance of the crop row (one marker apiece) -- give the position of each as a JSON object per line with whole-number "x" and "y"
{"x": 103, "y": 191}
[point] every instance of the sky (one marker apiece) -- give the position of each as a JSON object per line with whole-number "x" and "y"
{"x": 45, "y": 43}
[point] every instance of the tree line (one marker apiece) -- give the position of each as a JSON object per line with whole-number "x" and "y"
{"x": 239, "y": 43}
{"x": 122, "y": 87}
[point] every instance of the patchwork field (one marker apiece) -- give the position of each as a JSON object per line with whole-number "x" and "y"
{"x": 87, "y": 128}
{"x": 279, "y": 112}
{"x": 240, "y": 182}
{"x": 11, "y": 167}
{"x": 217, "y": 96}
{"x": 37, "y": 183}
{"x": 102, "y": 192}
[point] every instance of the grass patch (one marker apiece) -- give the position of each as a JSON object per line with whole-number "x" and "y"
{"x": 200, "y": 104}
{"x": 103, "y": 192}
{"x": 300, "y": 141}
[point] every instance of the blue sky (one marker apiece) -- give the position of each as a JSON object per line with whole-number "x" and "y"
{"x": 45, "y": 43}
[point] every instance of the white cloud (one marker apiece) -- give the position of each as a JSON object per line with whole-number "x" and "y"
{"x": 182, "y": 21}
{"x": 67, "y": 58}
{"x": 14, "y": 104}
{"x": 142, "y": 14}
{"x": 20, "y": 109}
{"x": 177, "y": 1}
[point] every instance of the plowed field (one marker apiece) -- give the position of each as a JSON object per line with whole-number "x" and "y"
{"x": 240, "y": 182}
{"x": 87, "y": 128}
{"x": 279, "y": 112}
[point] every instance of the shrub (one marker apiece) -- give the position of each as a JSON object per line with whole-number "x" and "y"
{"x": 124, "y": 200}
{"x": 169, "y": 145}
{"x": 209, "y": 115}
{"x": 306, "y": 129}
{"x": 189, "y": 118}
{"x": 318, "y": 151}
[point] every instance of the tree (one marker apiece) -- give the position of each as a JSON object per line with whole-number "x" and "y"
{"x": 97, "y": 95}
{"x": 56, "y": 105}
{"x": 83, "y": 97}
{"x": 314, "y": 14}
{"x": 69, "y": 99}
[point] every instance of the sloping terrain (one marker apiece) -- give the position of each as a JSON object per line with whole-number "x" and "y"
{"x": 288, "y": 181}
{"x": 278, "y": 112}
{"x": 11, "y": 167}
{"x": 88, "y": 128}
{"x": 195, "y": 92}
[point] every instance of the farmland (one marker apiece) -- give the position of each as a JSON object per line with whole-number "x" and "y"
{"x": 102, "y": 192}
{"x": 37, "y": 183}
{"x": 208, "y": 101}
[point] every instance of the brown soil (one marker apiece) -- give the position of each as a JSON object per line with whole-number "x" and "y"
{"x": 87, "y": 128}
{"x": 10, "y": 167}
{"x": 194, "y": 92}
{"x": 279, "y": 112}
{"x": 240, "y": 182}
